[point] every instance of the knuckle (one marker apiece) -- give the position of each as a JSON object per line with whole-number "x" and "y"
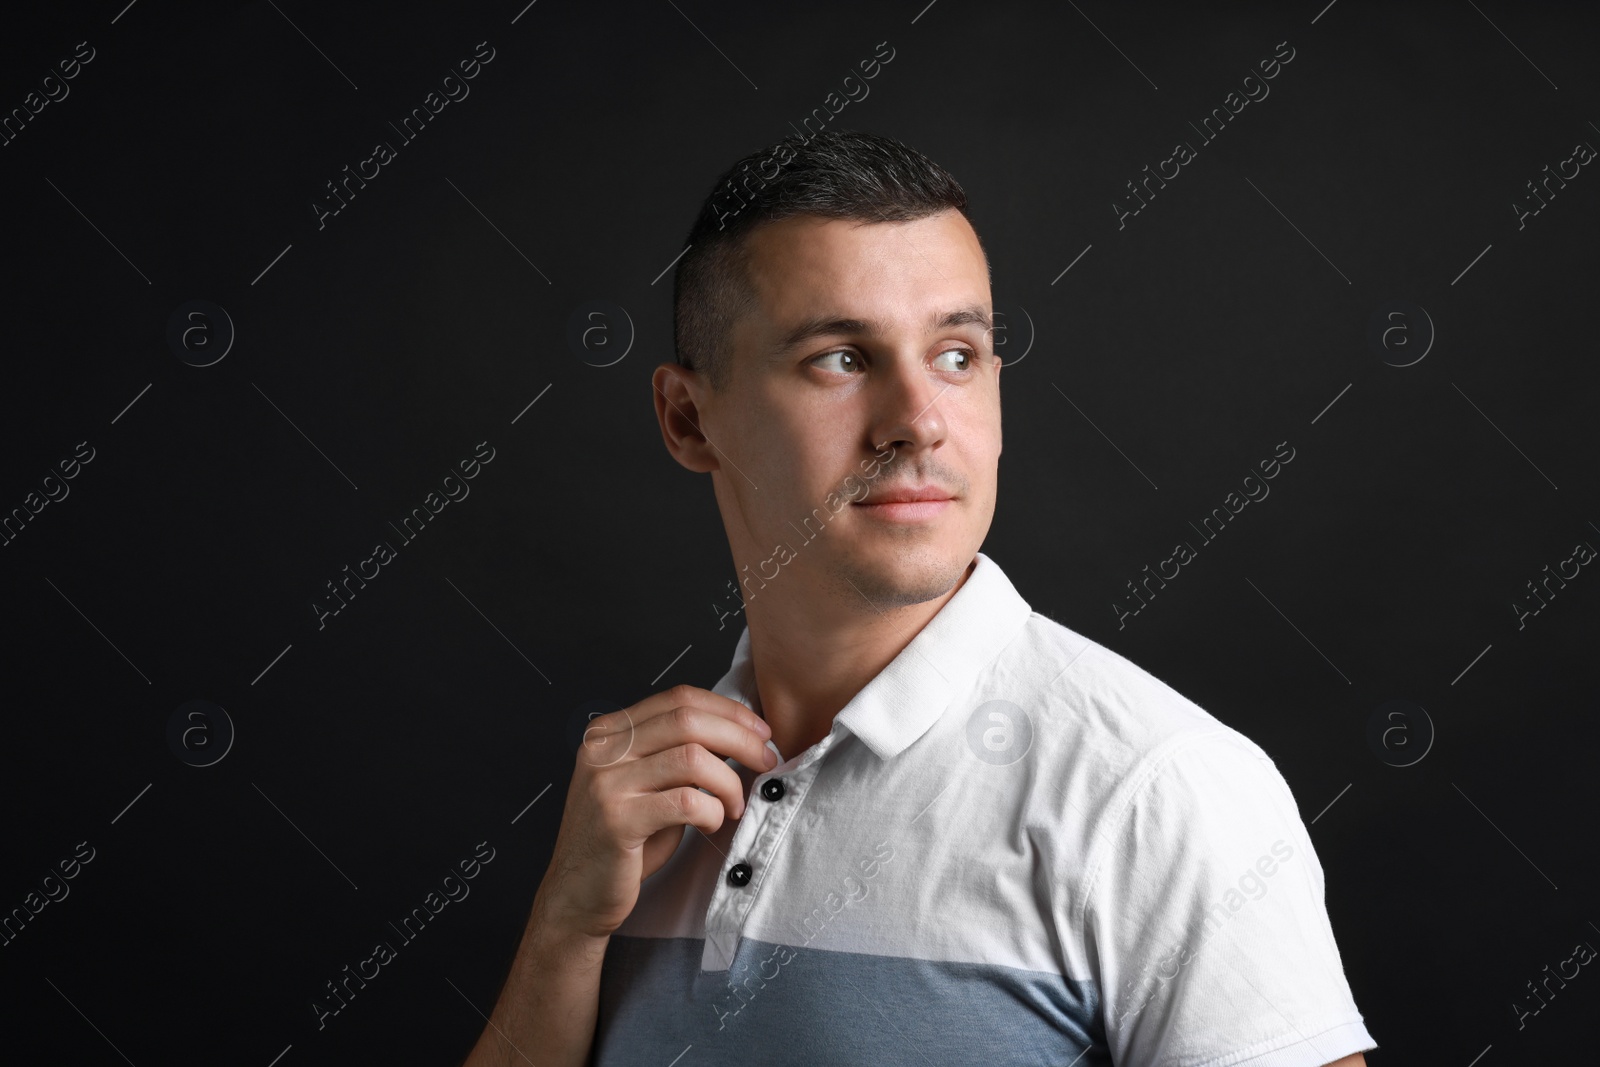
{"x": 681, "y": 801}
{"x": 683, "y": 760}
{"x": 694, "y": 756}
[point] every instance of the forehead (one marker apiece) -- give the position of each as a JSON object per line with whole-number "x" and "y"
{"x": 805, "y": 264}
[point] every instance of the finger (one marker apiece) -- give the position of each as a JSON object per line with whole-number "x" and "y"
{"x": 692, "y": 725}
{"x": 682, "y": 805}
{"x": 630, "y": 718}
{"x": 613, "y": 736}
{"x": 690, "y": 764}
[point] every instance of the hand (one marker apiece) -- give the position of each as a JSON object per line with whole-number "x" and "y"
{"x": 635, "y": 787}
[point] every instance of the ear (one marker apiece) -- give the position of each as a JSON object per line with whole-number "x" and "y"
{"x": 678, "y": 393}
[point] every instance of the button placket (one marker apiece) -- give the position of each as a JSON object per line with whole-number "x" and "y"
{"x": 752, "y": 849}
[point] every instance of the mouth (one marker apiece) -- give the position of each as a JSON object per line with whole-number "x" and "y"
{"x": 907, "y": 505}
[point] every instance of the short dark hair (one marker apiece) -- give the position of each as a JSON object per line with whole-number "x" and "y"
{"x": 835, "y": 174}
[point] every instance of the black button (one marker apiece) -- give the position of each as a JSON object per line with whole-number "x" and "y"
{"x": 739, "y": 874}
{"x": 772, "y": 789}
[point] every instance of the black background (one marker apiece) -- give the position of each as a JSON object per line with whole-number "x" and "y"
{"x": 376, "y": 352}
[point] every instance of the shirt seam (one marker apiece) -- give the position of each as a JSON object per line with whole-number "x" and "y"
{"x": 1158, "y": 760}
{"x": 1277, "y": 1043}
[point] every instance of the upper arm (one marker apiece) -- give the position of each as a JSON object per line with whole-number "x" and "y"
{"x": 1208, "y": 920}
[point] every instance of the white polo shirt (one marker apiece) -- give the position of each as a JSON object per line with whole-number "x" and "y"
{"x": 1014, "y": 847}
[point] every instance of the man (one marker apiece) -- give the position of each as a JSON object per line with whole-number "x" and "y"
{"x": 915, "y": 822}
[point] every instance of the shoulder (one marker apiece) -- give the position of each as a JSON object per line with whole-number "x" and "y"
{"x": 1087, "y": 699}
{"x": 1124, "y": 751}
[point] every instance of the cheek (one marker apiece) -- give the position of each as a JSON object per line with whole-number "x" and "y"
{"x": 794, "y": 466}
{"x": 980, "y": 443}
{"x": 808, "y": 449}
{"x": 984, "y": 482}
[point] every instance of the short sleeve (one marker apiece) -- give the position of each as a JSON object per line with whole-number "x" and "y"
{"x": 1205, "y": 913}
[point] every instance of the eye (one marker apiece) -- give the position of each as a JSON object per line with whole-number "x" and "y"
{"x": 965, "y": 354}
{"x": 849, "y": 360}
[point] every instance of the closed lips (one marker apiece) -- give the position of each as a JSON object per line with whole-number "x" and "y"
{"x": 908, "y": 496}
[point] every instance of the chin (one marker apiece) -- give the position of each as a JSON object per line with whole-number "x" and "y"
{"x": 898, "y": 575}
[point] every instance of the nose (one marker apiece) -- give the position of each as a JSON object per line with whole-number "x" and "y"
{"x": 905, "y": 408}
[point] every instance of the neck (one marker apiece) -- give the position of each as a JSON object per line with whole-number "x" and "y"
{"x": 813, "y": 648}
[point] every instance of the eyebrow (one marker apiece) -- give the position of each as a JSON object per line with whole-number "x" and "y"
{"x": 827, "y": 325}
